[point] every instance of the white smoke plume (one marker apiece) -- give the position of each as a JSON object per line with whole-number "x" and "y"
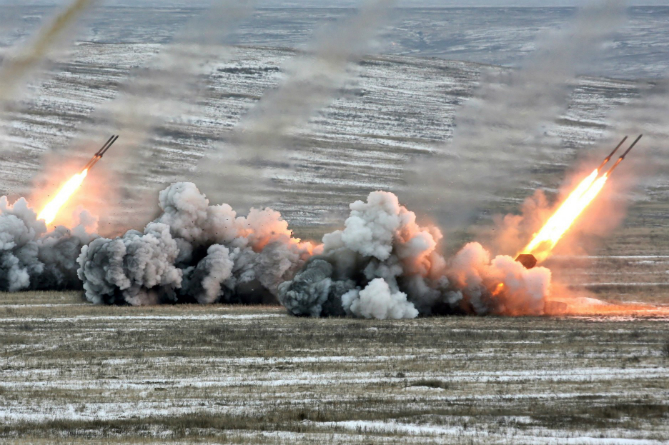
{"x": 194, "y": 253}
{"x": 499, "y": 133}
{"x": 378, "y": 301}
{"x": 312, "y": 80}
{"x": 385, "y": 265}
{"x": 23, "y": 62}
{"x": 32, "y": 258}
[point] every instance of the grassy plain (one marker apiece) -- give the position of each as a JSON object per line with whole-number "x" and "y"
{"x": 74, "y": 372}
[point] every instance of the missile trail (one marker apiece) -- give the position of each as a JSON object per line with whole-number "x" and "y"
{"x": 578, "y": 200}
{"x": 50, "y": 211}
{"x": 17, "y": 68}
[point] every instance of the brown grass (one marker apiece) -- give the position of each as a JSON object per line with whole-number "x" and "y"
{"x": 206, "y": 373}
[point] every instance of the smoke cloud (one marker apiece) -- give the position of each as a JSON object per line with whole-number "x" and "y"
{"x": 500, "y": 130}
{"x": 376, "y": 300}
{"x": 382, "y": 265}
{"x": 385, "y": 265}
{"x": 194, "y": 253}
{"x": 32, "y": 258}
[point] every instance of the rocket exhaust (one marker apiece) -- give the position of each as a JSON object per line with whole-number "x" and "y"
{"x": 574, "y": 205}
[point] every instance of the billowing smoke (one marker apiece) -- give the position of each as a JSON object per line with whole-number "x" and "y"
{"x": 500, "y": 133}
{"x": 32, "y": 258}
{"x": 377, "y": 300}
{"x": 194, "y": 253}
{"x": 385, "y": 265}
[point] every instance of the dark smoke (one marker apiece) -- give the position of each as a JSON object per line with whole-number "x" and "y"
{"x": 194, "y": 253}
{"x": 32, "y": 258}
{"x": 384, "y": 265}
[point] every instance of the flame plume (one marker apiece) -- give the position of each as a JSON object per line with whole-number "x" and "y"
{"x": 50, "y": 211}
{"x": 544, "y": 241}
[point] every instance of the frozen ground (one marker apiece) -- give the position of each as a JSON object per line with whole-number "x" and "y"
{"x": 497, "y": 36}
{"x": 249, "y": 375}
{"x": 252, "y": 375}
{"x": 393, "y": 109}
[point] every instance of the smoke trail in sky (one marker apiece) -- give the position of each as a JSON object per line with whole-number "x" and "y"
{"x": 24, "y": 61}
{"x": 499, "y": 132}
{"x": 162, "y": 90}
{"x": 312, "y": 80}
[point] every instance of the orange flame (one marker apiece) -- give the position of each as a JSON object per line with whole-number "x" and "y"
{"x": 50, "y": 211}
{"x": 544, "y": 241}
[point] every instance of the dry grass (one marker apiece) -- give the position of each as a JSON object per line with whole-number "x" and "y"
{"x": 75, "y": 372}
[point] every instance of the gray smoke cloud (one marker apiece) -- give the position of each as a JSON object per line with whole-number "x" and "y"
{"x": 499, "y": 132}
{"x": 385, "y": 265}
{"x": 194, "y": 253}
{"x": 378, "y": 301}
{"x": 311, "y": 81}
{"x": 32, "y": 258}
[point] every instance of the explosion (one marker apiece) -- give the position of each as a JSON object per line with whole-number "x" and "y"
{"x": 32, "y": 258}
{"x": 194, "y": 253}
{"x": 385, "y": 265}
{"x": 382, "y": 265}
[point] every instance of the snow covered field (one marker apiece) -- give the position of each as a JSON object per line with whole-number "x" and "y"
{"x": 394, "y": 108}
{"x": 256, "y": 375}
{"x": 74, "y": 371}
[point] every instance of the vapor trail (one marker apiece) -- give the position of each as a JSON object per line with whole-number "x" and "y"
{"x": 312, "y": 80}
{"x": 17, "y": 68}
{"x": 168, "y": 86}
{"x": 499, "y": 132}
{"x": 152, "y": 95}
